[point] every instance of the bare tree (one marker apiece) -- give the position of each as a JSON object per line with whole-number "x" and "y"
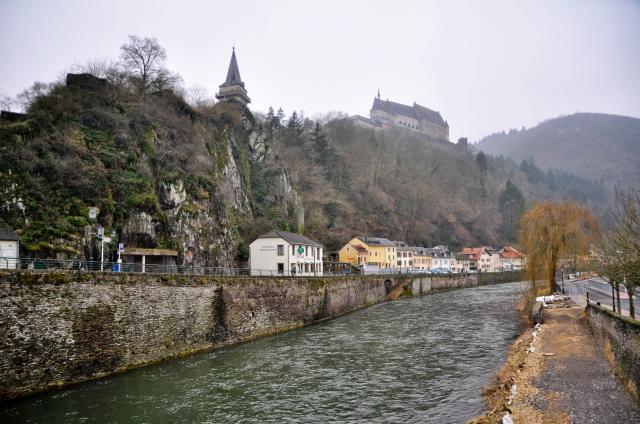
{"x": 199, "y": 97}
{"x": 144, "y": 58}
{"x": 7, "y": 102}
{"x": 28, "y": 96}
{"x": 626, "y": 239}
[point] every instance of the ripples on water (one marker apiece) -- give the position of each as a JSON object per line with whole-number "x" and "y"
{"x": 421, "y": 359}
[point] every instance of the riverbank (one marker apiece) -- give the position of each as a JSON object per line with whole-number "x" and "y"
{"x": 420, "y": 359}
{"x": 564, "y": 379}
{"x": 64, "y": 328}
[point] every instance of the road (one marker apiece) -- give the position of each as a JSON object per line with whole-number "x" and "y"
{"x": 599, "y": 291}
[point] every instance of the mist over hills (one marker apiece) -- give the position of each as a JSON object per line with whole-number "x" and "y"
{"x": 595, "y": 146}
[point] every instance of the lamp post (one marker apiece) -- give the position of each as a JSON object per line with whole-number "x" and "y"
{"x": 93, "y": 214}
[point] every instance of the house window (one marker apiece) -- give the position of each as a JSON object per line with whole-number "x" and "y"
{"x": 293, "y": 249}
{"x": 280, "y": 250}
{"x": 280, "y": 268}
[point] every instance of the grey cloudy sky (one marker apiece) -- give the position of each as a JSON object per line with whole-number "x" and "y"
{"x": 485, "y": 65}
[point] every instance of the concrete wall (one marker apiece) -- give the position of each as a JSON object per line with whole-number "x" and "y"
{"x": 62, "y": 328}
{"x": 620, "y": 339}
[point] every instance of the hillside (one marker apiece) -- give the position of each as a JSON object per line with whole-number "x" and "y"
{"x": 206, "y": 181}
{"x": 591, "y": 145}
{"x": 161, "y": 174}
{"x": 403, "y": 185}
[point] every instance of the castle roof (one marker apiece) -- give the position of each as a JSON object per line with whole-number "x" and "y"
{"x": 416, "y": 111}
{"x": 233, "y": 74}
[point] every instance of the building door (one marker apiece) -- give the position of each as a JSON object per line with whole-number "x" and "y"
{"x": 280, "y": 268}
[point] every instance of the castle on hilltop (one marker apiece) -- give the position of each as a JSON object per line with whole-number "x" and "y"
{"x": 233, "y": 87}
{"x": 385, "y": 114}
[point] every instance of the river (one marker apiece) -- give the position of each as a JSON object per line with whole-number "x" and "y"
{"x": 420, "y": 359}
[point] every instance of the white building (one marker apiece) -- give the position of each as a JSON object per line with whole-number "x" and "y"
{"x": 283, "y": 253}
{"x": 511, "y": 258}
{"x": 442, "y": 259}
{"x": 496, "y": 261}
{"x": 9, "y": 249}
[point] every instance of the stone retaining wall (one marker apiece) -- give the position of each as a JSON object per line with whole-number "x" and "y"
{"x": 60, "y": 328}
{"x": 620, "y": 339}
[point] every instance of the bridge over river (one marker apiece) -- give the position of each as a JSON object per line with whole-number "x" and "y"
{"x": 417, "y": 359}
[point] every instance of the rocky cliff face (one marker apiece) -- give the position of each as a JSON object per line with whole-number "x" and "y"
{"x": 160, "y": 174}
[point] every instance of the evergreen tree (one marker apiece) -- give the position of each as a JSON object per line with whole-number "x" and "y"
{"x": 481, "y": 158}
{"x": 320, "y": 144}
{"x": 270, "y": 118}
{"x": 511, "y": 205}
{"x": 294, "y": 123}
{"x": 534, "y": 174}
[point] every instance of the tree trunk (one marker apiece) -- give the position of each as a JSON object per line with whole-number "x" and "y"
{"x": 632, "y": 312}
{"x": 613, "y": 296}
{"x": 618, "y": 297}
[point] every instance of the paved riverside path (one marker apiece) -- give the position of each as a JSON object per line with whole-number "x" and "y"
{"x": 578, "y": 379}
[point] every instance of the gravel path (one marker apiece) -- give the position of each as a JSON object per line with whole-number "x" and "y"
{"x": 577, "y": 379}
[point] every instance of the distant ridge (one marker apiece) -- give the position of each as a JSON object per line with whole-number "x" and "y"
{"x": 592, "y": 145}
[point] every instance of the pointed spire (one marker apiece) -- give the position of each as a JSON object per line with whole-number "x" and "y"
{"x": 233, "y": 74}
{"x": 233, "y": 88}
{"x": 378, "y": 91}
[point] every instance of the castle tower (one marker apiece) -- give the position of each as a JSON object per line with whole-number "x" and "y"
{"x": 233, "y": 87}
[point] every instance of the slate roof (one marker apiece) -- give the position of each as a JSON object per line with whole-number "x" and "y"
{"x": 439, "y": 252}
{"x": 421, "y": 251}
{"x": 416, "y": 111}
{"x": 377, "y": 241}
{"x": 233, "y": 74}
{"x": 8, "y": 234}
{"x": 291, "y": 238}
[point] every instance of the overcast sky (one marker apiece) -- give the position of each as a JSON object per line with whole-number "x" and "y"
{"x": 485, "y": 65}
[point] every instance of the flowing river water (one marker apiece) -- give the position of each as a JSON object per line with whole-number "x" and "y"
{"x": 420, "y": 359}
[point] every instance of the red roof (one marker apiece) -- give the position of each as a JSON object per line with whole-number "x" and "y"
{"x": 473, "y": 252}
{"x": 509, "y": 252}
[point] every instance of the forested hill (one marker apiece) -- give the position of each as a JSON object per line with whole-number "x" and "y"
{"x": 206, "y": 180}
{"x": 591, "y": 145}
{"x": 402, "y": 185}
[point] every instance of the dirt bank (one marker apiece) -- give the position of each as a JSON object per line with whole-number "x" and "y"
{"x": 566, "y": 379}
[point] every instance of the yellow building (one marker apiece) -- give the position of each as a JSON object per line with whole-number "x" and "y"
{"x": 375, "y": 251}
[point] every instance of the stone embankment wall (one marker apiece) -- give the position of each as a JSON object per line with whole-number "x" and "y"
{"x": 620, "y": 339}
{"x": 60, "y": 328}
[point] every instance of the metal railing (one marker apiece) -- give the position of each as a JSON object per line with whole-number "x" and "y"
{"x": 78, "y": 265}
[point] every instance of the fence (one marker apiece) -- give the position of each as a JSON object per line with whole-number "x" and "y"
{"x": 77, "y": 265}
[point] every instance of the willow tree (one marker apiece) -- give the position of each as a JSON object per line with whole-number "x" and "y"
{"x": 554, "y": 231}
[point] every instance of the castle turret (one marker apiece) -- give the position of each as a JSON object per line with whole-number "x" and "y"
{"x": 233, "y": 87}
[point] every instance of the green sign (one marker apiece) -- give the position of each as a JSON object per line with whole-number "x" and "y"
{"x": 301, "y": 250}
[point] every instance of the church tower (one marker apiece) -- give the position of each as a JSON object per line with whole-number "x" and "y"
{"x": 233, "y": 87}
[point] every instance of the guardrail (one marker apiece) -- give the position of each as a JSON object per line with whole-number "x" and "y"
{"x": 78, "y": 265}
